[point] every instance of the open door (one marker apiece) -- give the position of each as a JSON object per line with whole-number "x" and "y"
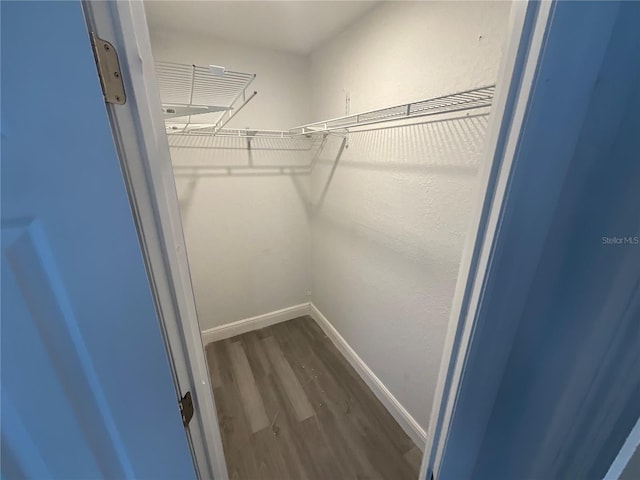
{"x": 87, "y": 389}
{"x": 540, "y": 377}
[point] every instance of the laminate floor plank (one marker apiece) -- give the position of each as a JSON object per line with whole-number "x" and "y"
{"x": 220, "y": 365}
{"x": 214, "y": 366}
{"x": 414, "y": 457}
{"x": 318, "y": 418}
{"x": 374, "y": 409}
{"x": 315, "y": 455}
{"x": 362, "y": 415}
{"x": 256, "y": 354}
{"x": 334, "y": 408}
{"x": 281, "y": 418}
{"x": 271, "y": 457}
{"x": 308, "y": 326}
{"x": 236, "y": 434}
{"x": 249, "y": 395}
{"x": 334, "y": 432}
{"x": 289, "y": 381}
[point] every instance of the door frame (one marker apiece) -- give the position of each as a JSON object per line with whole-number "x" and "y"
{"x": 544, "y": 41}
{"x": 143, "y": 150}
{"x": 522, "y": 51}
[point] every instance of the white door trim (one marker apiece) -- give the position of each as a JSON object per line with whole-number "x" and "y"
{"x": 143, "y": 150}
{"x": 527, "y": 25}
{"x": 479, "y": 343}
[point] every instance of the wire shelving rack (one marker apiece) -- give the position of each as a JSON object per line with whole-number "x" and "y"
{"x": 452, "y": 103}
{"x": 189, "y": 90}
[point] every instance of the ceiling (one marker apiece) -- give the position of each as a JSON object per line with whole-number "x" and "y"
{"x": 291, "y": 26}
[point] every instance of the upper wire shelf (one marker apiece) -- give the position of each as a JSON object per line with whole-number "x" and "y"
{"x": 481, "y": 97}
{"x": 456, "y": 102}
{"x": 212, "y": 94}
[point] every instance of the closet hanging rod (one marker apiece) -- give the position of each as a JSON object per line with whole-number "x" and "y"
{"x": 238, "y": 133}
{"x": 455, "y": 102}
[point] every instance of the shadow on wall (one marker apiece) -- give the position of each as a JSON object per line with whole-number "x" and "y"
{"x": 423, "y": 152}
{"x": 450, "y": 146}
{"x": 187, "y": 193}
{"x": 405, "y": 189}
{"x": 199, "y": 157}
{"x": 225, "y": 156}
{"x": 404, "y": 254}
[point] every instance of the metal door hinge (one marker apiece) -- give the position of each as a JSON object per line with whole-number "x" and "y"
{"x": 186, "y": 408}
{"x": 108, "y": 70}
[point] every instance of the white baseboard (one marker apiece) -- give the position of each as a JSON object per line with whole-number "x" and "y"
{"x": 399, "y": 413}
{"x": 254, "y": 323}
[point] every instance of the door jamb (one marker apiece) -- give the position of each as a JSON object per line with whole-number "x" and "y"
{"x": 523, "y": 49}
{"x": 144, "y": 154}
{"x": 541, "y": 79}
{"x": 143, "y": 150}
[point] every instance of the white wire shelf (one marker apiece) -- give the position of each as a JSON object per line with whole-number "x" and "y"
{"x": 476, "y": 98}
{"x": 211, "y": 131}
{"x": 456, "y": 102}
{"x": 189, "y": 90}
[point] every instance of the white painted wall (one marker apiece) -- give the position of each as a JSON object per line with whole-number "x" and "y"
{"x": 380, "y": 244}
{"x": 389, "y": 226}
{"x": 247, "y": 229}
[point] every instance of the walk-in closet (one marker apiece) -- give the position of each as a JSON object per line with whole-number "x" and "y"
{"x": 327, "y": 160}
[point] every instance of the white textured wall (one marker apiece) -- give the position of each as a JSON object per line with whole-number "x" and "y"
{"x": 380, "y": 243}
{"x": 246, "y": 229}
{"x": 389, "y": 226}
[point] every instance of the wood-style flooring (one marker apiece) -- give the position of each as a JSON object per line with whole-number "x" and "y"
{"x": 291, "y": 407}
